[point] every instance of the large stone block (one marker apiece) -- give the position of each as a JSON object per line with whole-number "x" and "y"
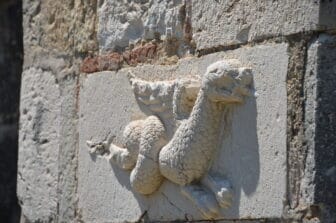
{"x": 48, "y": 142}
{"x": 222, "y": 23}
{"x": 39, "y": 145}
{"x": 56, "y": 33}
{"x": 123, "y": 24}
{"x": 318, "y": 185}
{"x": 252, "y": 155}
{"x": 61, "y": 26}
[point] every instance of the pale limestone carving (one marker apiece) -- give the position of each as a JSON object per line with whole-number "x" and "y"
{"x": 180, "y": 139}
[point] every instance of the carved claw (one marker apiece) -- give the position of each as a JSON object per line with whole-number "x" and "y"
{"x": 224, "y": 197}
{"x": 121, "y": 157}
{"x": 204, "y": 200}
{"x": 99, "y": 148}
{"x": 221, "y": 188}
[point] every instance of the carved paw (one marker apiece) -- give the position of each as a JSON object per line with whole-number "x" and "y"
{"x": 121, "y": 157}
{"x": 221, "y": 188}
{"x": 224, "y": 197}
{"x": 203, "y": 199}
{"x": 97, "y": 147}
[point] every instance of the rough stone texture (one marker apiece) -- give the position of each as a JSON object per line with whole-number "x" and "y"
{"x": 96, "y": 180}
{"x": 62, "y": 166}
{"x": 122, "y": 23}
{"x": 257, "y": 135}
{"x": 67, "y": 157}
{"x": 39, "y": 145}
{"x": 222, "y": 23}
{"x": 56, "y": 35}
{"x": 318, "y": 186}
{"x": 10, "y": 77}
{"x": 63, "y": 26}
{"x": 63, "y": 163}
{"x": 125, "y": 23}
{"x": 295, "y": 117}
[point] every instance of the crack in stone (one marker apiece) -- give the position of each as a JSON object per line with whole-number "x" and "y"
{"x": 171, "y": 203}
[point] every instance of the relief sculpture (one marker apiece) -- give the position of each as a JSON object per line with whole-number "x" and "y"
{"x": 180, "y": 138}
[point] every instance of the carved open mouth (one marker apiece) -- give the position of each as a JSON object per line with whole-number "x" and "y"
{"x": 229, "y": 86}
{"x": 223, "y": 95}
{"x": 233, "y": 93}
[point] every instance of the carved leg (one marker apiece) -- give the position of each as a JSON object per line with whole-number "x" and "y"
{"x": 220, "y": 187}
{"x": 121, "y": 157}
{"x": 146, "y": 177}
{"x": 126, "y": 157}
{"x": 203, "y": 199}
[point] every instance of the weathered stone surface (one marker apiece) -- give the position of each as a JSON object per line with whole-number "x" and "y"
{"x": 318, "y": 185}
{"x": 124, "y": 23}
{"x": 256, "y": 135}
{"x": 68, "y": 149}
{"x": 64, "y": 162}
{"x": 39, "y": 145}
{"x": 296, "y": 150}
{"x": 253, "y": 154}
{"x": 222, "y": 23}
{"x": 97, "y": 182}
{"x": 63, "y": 26}
{"x": 56, "y": 35}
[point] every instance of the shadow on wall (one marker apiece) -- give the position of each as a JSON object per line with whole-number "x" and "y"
{"x": 11, "y": 58}
{"x": 238, "y": 158}
{"x": 325, "y": 129}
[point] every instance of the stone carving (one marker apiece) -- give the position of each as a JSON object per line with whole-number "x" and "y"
{"x": 179, "y": 141}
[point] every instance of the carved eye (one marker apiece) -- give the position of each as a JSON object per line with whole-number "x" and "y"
{"x": 214, "y": 71}
{"x": 245, "y": 76}
{"x": 225, "y": 82}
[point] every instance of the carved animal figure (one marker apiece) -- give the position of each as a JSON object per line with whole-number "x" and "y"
{"x": 185, "y": 156}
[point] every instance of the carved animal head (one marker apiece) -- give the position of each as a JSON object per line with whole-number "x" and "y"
{"x": 227, "y": 81}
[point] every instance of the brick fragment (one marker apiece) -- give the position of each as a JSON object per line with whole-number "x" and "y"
{"x": 112, "y": 61}
{"x": 89, "y": 65}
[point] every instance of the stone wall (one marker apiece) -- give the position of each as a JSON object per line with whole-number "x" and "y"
{"x": 277, "y": 149}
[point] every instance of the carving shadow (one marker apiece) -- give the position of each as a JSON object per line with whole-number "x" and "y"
{"x": 238, "y": 159}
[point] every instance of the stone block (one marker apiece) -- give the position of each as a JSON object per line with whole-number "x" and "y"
{"x": 68, "y": 149}
{"x": 39, "y": 145}
{"x": 318, "y": 185}
{"x": 252, "y": 155}
{"x": 62, "y": 26}
{"x": 55, "y": 34}
{"x": 123, "y": 24}
{"x": 48, "y": 141}
{"x": 223, "y": 23}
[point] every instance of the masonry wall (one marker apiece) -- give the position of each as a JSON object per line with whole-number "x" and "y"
{"x": 74, "y": 87}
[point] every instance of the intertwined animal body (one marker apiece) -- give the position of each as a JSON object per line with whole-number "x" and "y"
{"x": 185, "y": 158}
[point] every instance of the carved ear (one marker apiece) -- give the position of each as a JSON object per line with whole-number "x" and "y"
{"x": 185, "y": 95}
{"x": 154, "y": 98}
{"x": 245, "y": 81}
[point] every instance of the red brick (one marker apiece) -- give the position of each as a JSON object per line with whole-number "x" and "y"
{"x": 112, "y": 61}
{"x": 89, "y": 65}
